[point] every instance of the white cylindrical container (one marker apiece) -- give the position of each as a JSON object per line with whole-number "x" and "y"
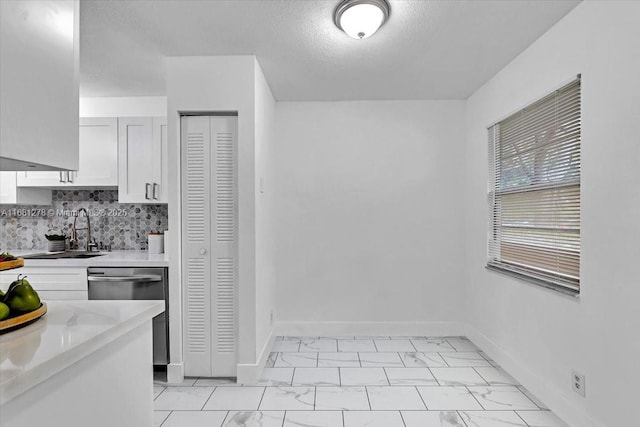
{"x": 156, "y": 243}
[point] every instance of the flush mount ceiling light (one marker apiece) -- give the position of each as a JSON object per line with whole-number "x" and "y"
{"x": 361, "y": 18}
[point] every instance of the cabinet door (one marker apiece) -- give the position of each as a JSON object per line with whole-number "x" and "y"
{"x": 62, "y": 295}
{"x": 7, "y": 187}
{"x": 10, "y": 193}
{"x": 39, "y": 77}
{"x": 142, "y": 154}
{"x": 160, "y": 162}
{"x": 98, "y": 154}
{"x": 51, "y": 283}
{"x": 41, "y": 179}
{"x": 135, "y": 160}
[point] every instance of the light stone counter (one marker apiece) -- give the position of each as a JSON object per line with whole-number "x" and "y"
{"x": 81, "y": 354}
{"x": 109, "y": 259}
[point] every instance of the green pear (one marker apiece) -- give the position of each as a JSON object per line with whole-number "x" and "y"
{"x": 21, "y": 297}
{"x": 20, "y": 280}
{"x": 4, "y": 311}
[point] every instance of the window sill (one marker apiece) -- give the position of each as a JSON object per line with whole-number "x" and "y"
{"x": 534, "y": 281}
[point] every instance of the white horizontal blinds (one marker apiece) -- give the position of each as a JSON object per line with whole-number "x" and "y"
{"x": 534, "y": 190}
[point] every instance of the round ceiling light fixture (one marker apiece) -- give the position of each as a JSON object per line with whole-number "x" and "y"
{"x": 361, "y": 18}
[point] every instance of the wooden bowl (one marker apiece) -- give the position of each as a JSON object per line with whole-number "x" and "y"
{"x": 8, "y": 265}
{"x": 12, "y": 323}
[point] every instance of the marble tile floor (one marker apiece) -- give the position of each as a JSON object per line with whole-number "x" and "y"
{"x": 358, "y": 382}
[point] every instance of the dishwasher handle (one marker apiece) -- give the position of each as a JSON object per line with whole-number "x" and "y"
{"x": 135, "y": 279}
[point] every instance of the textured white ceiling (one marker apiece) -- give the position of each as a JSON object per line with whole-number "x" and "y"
{"x": 427, "y": 49}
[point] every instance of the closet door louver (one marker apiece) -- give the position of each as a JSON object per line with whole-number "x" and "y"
{"x": 534, "y": 191}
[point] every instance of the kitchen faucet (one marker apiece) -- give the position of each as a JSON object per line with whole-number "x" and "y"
{"x": 73, "y": 242}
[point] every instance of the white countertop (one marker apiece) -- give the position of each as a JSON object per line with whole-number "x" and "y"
{"x": 109, "y": 259}
{"x": 67, "y": 333}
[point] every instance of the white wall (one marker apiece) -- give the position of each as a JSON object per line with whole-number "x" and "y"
{"x": 369, "y": 217}
{"x": 139, "y": 106}
{"x": 536, "y": 334}
{"x": 222, "y": 83}
{"x": 265, "y": 106}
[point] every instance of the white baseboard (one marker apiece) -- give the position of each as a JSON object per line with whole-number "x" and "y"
{"x": 250, "y": 373}
{"x": 175, "y": 373}
{"x": 556, "y": 400}
{"x": 369, "y": 328}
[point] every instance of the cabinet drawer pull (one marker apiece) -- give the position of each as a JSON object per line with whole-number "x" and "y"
{"x": 146, "y": 190}
{"x": 69, "y": 176}
{"x": 155, "y": 193}
{"x": 61, "y": 179}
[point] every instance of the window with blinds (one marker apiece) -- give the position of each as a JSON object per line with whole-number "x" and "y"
{"x": 534, "y": 191}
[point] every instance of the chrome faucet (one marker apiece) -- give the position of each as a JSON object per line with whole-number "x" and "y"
{"x": 73, "y": 242}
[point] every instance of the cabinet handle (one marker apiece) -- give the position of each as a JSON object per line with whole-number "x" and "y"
{"x": 131, "y": 279}
{"x": 155, "y": 194}
{"x": 61, "y": 180}
{"x": 70, "y": 176}
{"x": 146, "y": 190}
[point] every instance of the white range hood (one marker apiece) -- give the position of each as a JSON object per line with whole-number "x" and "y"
{"x": 39, "y": 81}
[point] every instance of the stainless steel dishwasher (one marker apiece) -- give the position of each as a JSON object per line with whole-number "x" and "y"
{"x": 136, "y": 283}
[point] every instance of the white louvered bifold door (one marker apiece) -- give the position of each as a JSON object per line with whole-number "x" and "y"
{"x": 209, "y": 230}
{"x": 223, "y": 241}
{"x": 196, "y": 247}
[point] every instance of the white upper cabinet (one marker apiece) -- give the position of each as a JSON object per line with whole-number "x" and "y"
{"x": 98, "y": 155}
{"x": 10, "y": 194}
{"x": 39, "y": 77}
{"x": 142, "y": 160}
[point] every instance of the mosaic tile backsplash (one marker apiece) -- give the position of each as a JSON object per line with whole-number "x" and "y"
{"x": 123, "y": 226}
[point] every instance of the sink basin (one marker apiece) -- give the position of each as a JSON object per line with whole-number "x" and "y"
{"x": 61, "y": 255}
{"x": 86, "y": 255}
